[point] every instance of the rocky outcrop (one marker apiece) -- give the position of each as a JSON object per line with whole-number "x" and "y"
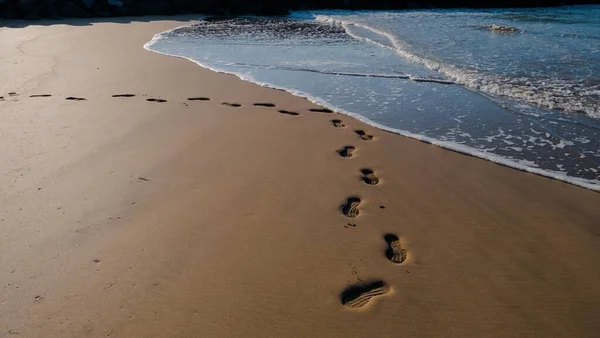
{"x": 37, "y": 9}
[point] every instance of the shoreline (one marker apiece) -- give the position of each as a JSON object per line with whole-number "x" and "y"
{"x": 519, "y": 164}
{"x": 195, "y": 204}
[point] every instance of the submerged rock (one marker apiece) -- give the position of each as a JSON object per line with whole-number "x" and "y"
{"x": 503, "y": 29}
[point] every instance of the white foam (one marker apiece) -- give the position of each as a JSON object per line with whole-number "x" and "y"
{"x": 426, "y": 79}
{"x": 523, "y": 165}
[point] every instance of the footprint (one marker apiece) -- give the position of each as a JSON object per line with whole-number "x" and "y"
{"x": 260, "y": 104}
{"x": 346, "y": 151}
{"x": 156, "y": 100}
{"x": 395, "y": 252}
{"x": 338, "y": 123}
{"x": 40, "y": 95}
{"x": 198, "y": 99}
{"x": 288, "y": 112}
{"x": 236, "y": 105}
{"x": 321, "y": 110}
{"x": 358, "y": 296}
{"x": 123, "y": 95}
{"x": 72, "y": 98}
{"x": 369, "y": 176}
{"x": 364, "y": 135}
{"x": 350, "y": 209}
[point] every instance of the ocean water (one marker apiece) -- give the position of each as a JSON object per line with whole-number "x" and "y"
{"x": 516, "y": 87}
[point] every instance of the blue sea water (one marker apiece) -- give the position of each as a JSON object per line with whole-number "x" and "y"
{"x": 517, "y": 87}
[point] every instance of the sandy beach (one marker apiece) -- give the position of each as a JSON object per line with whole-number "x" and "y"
{"x": 129, "y": 210}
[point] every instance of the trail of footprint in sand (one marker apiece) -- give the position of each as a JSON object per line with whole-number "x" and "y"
{"x": 286, "y": 112}
{"x": 338, "y": 123}
{"x": 369, "y": 176}
{"x": 364, "y": 135}
{"x": 321, "y": 110}
{"x": 264, "y": 104}
{"x": 346, "y": 151}
{"x": 357, "y": 296}
{"x": 350, "y": 209}
{"x": 395, "y": 252}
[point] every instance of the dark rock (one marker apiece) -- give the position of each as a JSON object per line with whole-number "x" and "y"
{"x": 102, "y": 14}
{"x": 152, "y": 7}
{"x": 122, "y": 11}
{"x": 186, "y": 5}
{"x": 50, "y": 9}
{"x": 29, "y": 9}
{"x": 414, "y": 5}
{"x": 88, "y": 3}
{"x": 27, "y": 5}
{"x": 32, "y": 16}
{"x": 8, "y": 10}
{"x": 118, "y": 3}
{"x": 72, "y": 9}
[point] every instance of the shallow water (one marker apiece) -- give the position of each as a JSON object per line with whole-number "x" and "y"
{"x": 523, "y": 97}
{"x": 546, "y": 57}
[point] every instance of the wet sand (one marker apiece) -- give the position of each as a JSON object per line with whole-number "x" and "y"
{"x": 144, "y": 196}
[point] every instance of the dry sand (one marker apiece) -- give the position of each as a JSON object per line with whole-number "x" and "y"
{"x": 126, "y": 218}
